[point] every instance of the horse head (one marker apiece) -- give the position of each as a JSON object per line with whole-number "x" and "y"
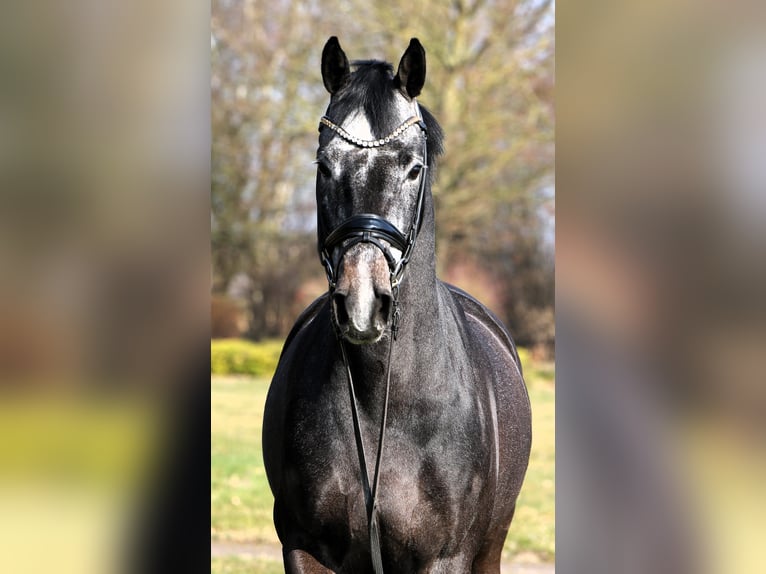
{"x": 370, "y": 187}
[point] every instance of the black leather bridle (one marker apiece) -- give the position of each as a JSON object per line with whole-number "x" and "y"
{"x": 374, "y": 229}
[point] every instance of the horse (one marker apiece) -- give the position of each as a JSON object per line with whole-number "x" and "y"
{"x": 397, "y": 427}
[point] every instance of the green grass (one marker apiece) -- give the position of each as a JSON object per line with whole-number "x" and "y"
{"x": 241, "y": 502}
{"x": 245, "y": 565}
{"x": 532, "y": 529}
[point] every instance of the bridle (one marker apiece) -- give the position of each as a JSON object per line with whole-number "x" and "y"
{"x": 374, "y": 229}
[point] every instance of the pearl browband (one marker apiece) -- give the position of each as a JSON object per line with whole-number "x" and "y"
{"x": 414, "y": 120}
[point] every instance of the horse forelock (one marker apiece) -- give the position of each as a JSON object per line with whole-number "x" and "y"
{"x": 370, "y": 90}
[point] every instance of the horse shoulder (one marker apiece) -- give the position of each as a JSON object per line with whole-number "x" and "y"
{"x": 509, "y": 400}
{"x": 277, "y": 398}
{"x": 478, "y": 313}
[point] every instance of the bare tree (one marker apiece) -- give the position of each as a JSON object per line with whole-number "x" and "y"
{"x": 490, "y": 84}
{"x": 490, "y": 80}
{"x": 263, "y": 125}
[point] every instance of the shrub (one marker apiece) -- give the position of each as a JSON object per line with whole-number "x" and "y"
{"x": 241, "y": 357}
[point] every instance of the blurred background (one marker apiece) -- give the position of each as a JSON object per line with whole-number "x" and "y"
{"x": 489, "y": 83}
{"x": 660, "y": 277}
{"x": 106, "y": 268}
{"x": 104, "y": 285}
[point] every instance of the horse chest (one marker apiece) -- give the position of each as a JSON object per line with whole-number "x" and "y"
{"x": 428, "y": 493}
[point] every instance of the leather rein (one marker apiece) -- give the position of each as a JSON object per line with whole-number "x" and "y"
{"x": 374, "y": 229}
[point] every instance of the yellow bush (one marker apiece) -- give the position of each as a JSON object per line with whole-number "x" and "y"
{"x": 241, "y": 357}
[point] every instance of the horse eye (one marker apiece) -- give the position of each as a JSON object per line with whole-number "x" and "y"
{"x": 414, "y": 172}
{"x": 323, "y": 169}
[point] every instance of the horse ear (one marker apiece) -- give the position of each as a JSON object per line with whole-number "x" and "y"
{"x": 411, "y": 74}
{"x": 334, "y": 65}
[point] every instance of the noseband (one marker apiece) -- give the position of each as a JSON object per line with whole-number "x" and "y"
{"x": 374, "y": 229}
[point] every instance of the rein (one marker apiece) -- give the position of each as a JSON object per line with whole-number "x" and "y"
{"x": 374, "y": 229}
{"x": 370, "y": 491}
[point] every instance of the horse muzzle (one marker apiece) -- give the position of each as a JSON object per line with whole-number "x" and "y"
{"x": 362, "y": 299}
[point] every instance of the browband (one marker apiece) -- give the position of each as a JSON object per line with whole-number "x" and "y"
{"x": 325, "y": 121}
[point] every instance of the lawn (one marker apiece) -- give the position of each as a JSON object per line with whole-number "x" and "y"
{"x": 241, "y": 502}
{"x": 245, "y": 565}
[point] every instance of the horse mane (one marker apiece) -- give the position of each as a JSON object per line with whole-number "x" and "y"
{"x": 370, "y": 86}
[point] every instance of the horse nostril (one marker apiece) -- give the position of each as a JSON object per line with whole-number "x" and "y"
{"x": 384, "y": 303}
{"x": 341, "y": 313}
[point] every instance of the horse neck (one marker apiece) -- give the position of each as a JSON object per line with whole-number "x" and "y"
{"x": 418, "y": 303}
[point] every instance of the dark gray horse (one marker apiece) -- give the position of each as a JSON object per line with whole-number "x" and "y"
{"x": 397, "y": 426}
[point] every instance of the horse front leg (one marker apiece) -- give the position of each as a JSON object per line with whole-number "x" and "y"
{"x": 488, "y": 561}
{"x": 298, "y": 561}
{"x": 491, "y": 552}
